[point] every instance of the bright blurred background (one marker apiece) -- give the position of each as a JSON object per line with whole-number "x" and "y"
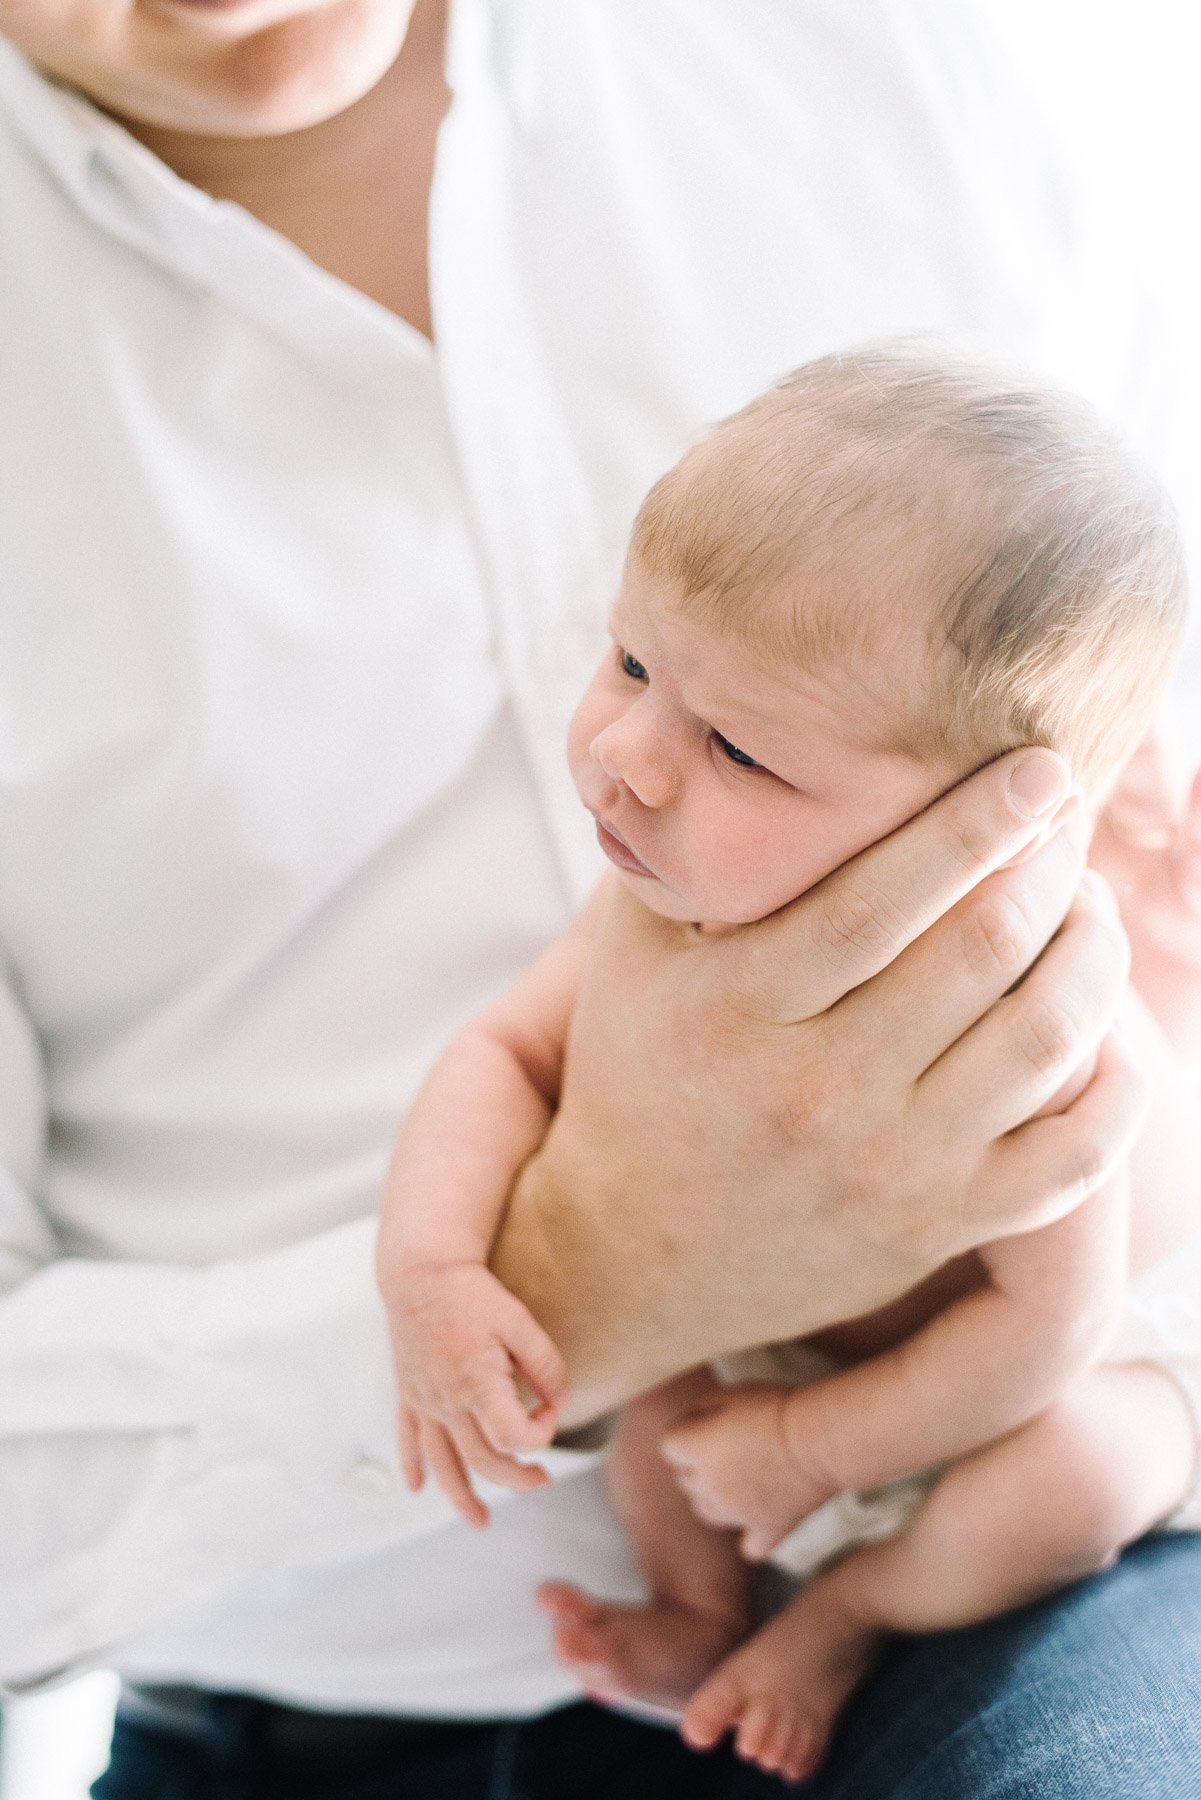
{"x": 1122, "y": 80}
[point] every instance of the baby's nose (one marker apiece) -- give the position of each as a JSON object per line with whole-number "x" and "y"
{"x": 633, "y": 760}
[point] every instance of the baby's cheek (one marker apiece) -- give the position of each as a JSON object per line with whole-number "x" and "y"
{"x": 747, "y": 886}
{"x": 768, "y": 872}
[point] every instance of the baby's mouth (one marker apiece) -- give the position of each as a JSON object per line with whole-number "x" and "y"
{"x": 619, "y": 852}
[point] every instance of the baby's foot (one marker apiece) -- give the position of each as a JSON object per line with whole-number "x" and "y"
{"x": 658, "y": 1652}
{"x": 739, "y": 1468}
{"x": 781, "y": 1692}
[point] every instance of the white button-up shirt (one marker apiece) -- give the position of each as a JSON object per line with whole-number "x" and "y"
{"x": 293, "y": 611}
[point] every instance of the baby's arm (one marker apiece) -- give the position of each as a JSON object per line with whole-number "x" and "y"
{"x": 462, "y": 1342}
{"x": 988, "y": 1363}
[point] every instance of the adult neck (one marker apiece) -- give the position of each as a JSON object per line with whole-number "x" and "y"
{"x": 352, "y": 192}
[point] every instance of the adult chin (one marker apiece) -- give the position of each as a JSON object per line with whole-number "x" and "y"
{"x": 229, "y": 68}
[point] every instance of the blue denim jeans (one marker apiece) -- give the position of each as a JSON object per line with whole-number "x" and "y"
{"x": 1095, "y": 1695}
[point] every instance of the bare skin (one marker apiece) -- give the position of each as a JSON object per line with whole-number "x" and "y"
{"x": 335, "y": 153}
{"x": 1050, "y": 1504}
{"x": 859, "y": 1205}
{"x": 321, "y": 187}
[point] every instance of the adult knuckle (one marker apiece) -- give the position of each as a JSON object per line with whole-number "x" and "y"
{"x": 1051, "y": 1035}
{"x": 816, "y": 1104}
{"x": 858, "y": 922}
{"x": 997, "y": 940}
{"x": 971, "y": 844}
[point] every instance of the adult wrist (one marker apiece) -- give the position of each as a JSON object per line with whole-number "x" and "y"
{"x": 555, "y": 1252}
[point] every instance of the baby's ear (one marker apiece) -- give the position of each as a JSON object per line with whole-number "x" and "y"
{"x": 1067, "y": 809}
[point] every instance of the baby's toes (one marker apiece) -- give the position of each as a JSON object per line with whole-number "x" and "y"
{"x": 566, "y": 1602}
{"x": 783, "y": 1749}
{"x": 714, "y": 1709}
{"x": 779, "y": 1739}
{"x": 804, "y": 1753}
{"x": 755, "y": 1737}
{"x": 579, "y": 1622}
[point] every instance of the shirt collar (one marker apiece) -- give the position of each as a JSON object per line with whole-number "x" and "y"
{"x": 126, "y": 191}
{"x": 110, "y": 176}
{"x": 119, "y": 182}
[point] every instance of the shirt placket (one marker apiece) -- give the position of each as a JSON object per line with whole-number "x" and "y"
{"x": 531, "y": 510}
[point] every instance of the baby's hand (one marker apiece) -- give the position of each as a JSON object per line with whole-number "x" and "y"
{"x": 738, "y": 1469}
{"x": 465, "y": 1348}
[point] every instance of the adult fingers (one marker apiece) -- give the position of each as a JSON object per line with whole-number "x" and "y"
{"x": 1016, "y": 1058}
{"x": 1039, "y": 1172}
{"x": 959, "y": 969}
{"x": 859, "y": 919}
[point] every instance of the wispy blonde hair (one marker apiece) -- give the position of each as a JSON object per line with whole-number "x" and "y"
{"x": 1044, "y": 557}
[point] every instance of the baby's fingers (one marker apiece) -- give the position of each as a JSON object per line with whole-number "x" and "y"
{"x": 505, "y": 1471}
{"x": 504, "y": 1422}
{"x": 538, "y": 1360}
{"x": 408, "y": 1439}
{"x": 442, "y": 1455}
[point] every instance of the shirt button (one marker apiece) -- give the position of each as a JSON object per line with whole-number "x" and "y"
{"x": 368, "y": 1479}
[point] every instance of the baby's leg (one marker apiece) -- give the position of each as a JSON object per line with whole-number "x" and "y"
{"x": 1054, "y": 1501}
{"x": 700, "y": 1604}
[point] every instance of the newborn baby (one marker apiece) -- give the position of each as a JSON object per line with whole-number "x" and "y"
{"x": 879, "y": 575}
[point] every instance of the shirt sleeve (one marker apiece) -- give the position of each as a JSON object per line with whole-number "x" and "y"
{"x": 165, "y": 1431}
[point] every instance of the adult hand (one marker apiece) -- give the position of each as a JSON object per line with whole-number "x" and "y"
{"x": 765, "y": 1132}
{"x": 1148, "y": 847}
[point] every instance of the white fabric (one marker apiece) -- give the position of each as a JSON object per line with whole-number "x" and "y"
{"x": 292, "y": 616}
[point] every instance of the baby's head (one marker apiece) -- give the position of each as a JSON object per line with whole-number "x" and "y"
{"x": 879, "y": 575}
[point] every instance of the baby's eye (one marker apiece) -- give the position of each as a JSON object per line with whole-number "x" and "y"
{"x": 735, "y": 754}
{"x": 632, "y": 667}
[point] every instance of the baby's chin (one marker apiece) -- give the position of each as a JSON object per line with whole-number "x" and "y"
{"x": 718, "y": 911}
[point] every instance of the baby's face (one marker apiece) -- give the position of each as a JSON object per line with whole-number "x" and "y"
{"x": 722, "y": 786}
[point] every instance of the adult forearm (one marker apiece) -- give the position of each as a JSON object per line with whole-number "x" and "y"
{"x": 632, "y": 1300}
{"x": 587, "y": 1287}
